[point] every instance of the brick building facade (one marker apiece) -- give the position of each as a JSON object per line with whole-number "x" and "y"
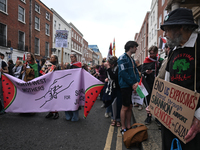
{"x": 77, "y": 42}
{"x": 23, "y": 23}
{"x": 142, "y": 40}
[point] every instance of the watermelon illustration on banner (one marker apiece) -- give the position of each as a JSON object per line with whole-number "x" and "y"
{"x": 10, "y": 91}
{"x": 93, "y": 89}
{"x": 141, "y": 90}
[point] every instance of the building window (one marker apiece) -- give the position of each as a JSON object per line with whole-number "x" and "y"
{"x": 21, "y": 41}
{"x": 3, "y": 5}
{"x": 47, "y": 29}
{"x": 21, "y": 14}
{"x": 37, "y": 46}
{"x": 23, "y": 1}
{"x": 47, "y": 16}
{"x": 2, "y": 34}
{"x": 37, "y": 7}
{"x": 155, "y": 29}
{"x": 58, "y": 26}
{"x": 55, "y": 24}
{"x": 37, "y": 23}
{"x": 46, "y": 49}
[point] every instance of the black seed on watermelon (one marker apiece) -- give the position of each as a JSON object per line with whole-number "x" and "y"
{"x": 8, "y": 92}
{"x": 9, "y": 88}
{"x": 87, "y": 111}
{"x": 96, "y": 91}
{"x": 7, "y": 97}
{"x": 93, "y": 101}
{"x": 88, "y": 97}
{"x": 91, "y": 93}
{"x": 85, "y": 106}
{"x": 6, "y": 83}
{"x": 86, "y": 102}
{"x": 3, "y": 80}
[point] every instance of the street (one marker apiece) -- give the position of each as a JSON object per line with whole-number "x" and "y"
{"x": 21, "y": 132}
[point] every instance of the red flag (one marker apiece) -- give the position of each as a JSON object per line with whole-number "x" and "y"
{"x": 109, "y": 51}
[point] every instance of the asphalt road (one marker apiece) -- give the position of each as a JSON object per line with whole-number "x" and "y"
{"x": 21, "y": 132}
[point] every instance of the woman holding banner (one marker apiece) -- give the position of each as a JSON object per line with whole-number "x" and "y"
{"x": 73, "y": 115}
{"x": 54, "y": 66}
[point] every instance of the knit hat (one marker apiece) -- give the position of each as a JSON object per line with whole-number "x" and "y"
{"x": 180, "y": 16}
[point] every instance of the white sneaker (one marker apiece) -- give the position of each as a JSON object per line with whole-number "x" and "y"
{"x": 140, "y": 107}
{"x": 102, "y": 106}
{"x": 106, "y": 115}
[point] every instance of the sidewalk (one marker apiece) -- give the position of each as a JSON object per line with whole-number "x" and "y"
{"x": 154, "y": 134}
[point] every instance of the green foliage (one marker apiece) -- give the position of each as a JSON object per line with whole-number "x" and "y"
{"x": 181, "y": 64}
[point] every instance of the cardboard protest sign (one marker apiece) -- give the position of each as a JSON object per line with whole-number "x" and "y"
{"x": 173, "y": 106}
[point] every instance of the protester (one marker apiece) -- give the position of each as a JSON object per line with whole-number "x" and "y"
{"x": 54, "y": 62}
{"x": 41, "y": 65}
{"x": 10, "y": 67}
{"x": 3, "y": 69}
{"x": 102, "y": 77}
{"x": 2, "y": 56}
{"x": 67, "y": 66}
{"x": 30, "y": 68}
{"x": 73, "y": 115}
{"x": 128, "y": 77}
{"x": 139, "y": 68}
{"x": 112, "y": 73}
{"x": 162, "y": 70}
{"x": 180, "y": 32}
{"x": 17, "y": 69}
{"x": 85, "y": 66}
{"x": 97, "y": 74}
{"x": 150, "y": 68}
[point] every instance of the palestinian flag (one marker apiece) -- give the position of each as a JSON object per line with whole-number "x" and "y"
{"x": 77, "y": 64}
{"x": 141, "y": 90}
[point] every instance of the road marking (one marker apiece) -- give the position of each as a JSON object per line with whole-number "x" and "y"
{"x": 119, "y": 140}
{"x": 109, "y": 138}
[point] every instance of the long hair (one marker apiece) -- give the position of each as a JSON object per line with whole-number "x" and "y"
{"x": 33, "y": 60}
{"x": 56, "y": 57}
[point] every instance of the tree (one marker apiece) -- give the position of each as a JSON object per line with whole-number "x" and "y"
{"x": 181, "y": 64}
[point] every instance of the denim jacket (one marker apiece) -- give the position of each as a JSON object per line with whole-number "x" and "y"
{"x": 126, "y": 76}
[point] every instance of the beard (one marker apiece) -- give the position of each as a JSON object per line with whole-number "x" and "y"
{"x": 175, "y": 40}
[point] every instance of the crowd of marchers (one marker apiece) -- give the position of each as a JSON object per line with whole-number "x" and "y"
{"x": 122, "y": 75}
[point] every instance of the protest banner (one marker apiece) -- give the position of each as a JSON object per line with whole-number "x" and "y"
{"x": 61, "y": 38}
{"x": 174, "y": 106}
{"x": 61, "y": 90}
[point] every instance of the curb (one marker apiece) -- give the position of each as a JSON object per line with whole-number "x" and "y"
{"x": 154, "y": 141}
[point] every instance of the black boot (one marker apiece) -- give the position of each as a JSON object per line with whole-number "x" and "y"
{"x": 148, "y": 120}
{"x": 49, "y": 115}
{"x": 56, "y": 116}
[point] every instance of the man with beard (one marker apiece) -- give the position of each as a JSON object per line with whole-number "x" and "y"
{"x": 150, "y": 68}
{"x": 180, "y": 32}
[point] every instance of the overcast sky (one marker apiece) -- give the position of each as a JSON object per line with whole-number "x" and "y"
{"x": 100, "y": 21}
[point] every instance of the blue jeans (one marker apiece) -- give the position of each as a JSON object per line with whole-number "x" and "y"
{"x": 72, "y": 115}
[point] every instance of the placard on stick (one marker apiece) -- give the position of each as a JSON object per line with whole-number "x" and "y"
{"x": 174, "y": 106}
